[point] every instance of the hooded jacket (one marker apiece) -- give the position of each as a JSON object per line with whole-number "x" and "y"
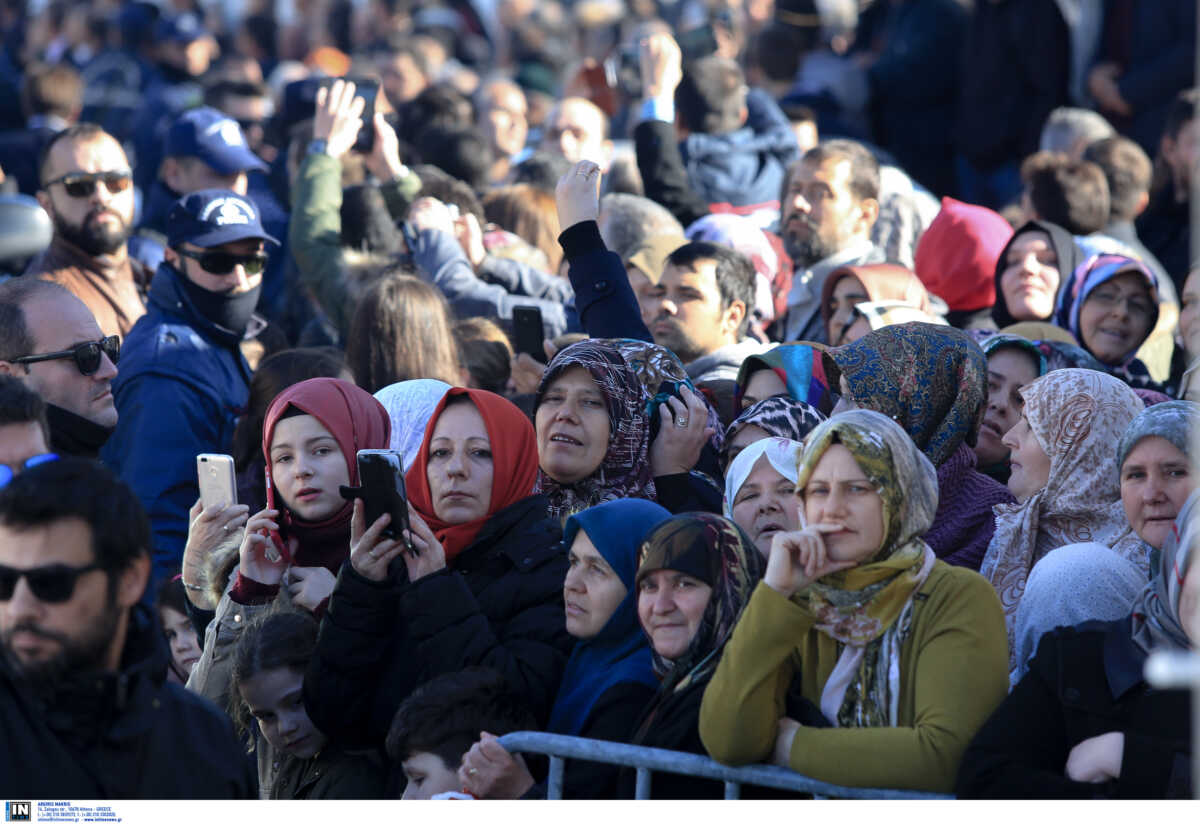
{"x": 182, "y": 385}
{"x": 128, "y": 734}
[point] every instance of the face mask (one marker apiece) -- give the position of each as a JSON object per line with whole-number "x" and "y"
{"x": 229, "y": 311}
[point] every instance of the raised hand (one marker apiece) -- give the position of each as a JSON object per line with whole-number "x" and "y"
{"x": 338, "y": 117}
{"x": 578, "y": 194}
{"x": 682, "y": 433}
{"x": 370, "y": 552}
{"x": 259, "y": 558}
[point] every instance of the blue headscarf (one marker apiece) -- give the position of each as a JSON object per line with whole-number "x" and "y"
{"x": 619, "y": 652}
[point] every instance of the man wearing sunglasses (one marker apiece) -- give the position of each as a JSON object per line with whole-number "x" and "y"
{"x": 87, "y": 189}
{"x": 86, "y": 710}
{"x": 183, "y": 380}
{"x": 50, "y": 341}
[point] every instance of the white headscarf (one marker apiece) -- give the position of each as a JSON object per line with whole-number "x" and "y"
{"x": 410, "y": 404}
{"x": 783, "y": 454}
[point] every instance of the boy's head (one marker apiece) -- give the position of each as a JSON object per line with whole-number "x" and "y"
{"x": 440, "y": 721}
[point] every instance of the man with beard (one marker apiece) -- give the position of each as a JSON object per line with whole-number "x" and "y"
{"x": 829, "y": 205}
{"x": 183, "y": 379}
{"x": 87, "y": 189}
{"x": 51, "y": 343}
{"x": 85, "y": 708}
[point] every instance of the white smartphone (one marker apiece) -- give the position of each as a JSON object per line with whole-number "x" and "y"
{"x": 218, "y": 483}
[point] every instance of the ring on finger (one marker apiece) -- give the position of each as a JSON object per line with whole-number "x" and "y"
{"x": 472, "y": 771}
{"x": 681, "y": 421}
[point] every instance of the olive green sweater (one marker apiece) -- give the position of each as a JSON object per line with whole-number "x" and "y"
{"x": 953, "y": 674}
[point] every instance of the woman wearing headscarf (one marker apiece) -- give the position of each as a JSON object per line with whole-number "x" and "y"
{"x": 1087, "y": 581}
{"x": 856, "y": 608}
{"x": 296, "y": 544}
{"x": 849, "y": 287}
{"x": 593, "y": 434}
{"x": 956, "y": 259}
{"x": 760, "y": 490}
{"x": 775, "y": 417}
{"x": 1065, "y": 478}
{"x": 409, "y": 405}
{"x": 1037, "y": 259}
{"x": 695, "y": 574}
{"x": 932, "y": 381}
{"x": 794, "y": 369}
{"x": 480, "y": 586}
{"x": 1012, "y": 362}
{"x": 610, "y": 676}
{"x": 1083, "y": 722}
{"x": 1110, "y": 304}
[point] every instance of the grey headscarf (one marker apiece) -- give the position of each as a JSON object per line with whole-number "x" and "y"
{"x": 410, "y": 404}
{"x": 1173, "y": 420}
{"x": 1156, "y": 612}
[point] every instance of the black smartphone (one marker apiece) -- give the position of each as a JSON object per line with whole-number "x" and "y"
{"x": 300, "y": 102}
{"x": 697, "y": 43}
{"x": 381, "y": 476}
{"x": 528, "y": 332}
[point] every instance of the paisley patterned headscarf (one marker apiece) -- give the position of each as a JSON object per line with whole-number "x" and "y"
{"x": 662, "y": 373}
{"x": 779, "y": 417}
{"x": 1077, "y": 416}
{"x": 930, "y": 379}
{"x": 624, "y": 471}
{"x": 868, "y": 608}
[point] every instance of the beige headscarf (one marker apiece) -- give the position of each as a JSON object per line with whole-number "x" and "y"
{"x": 1078, "y": 416}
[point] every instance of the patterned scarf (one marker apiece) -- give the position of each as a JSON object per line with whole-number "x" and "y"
{"x": 1077, "y": 416}
{"x": 932, "y": 380}
{"x": 868, "y": 608}
{"x": 802, "y": 369}
{"x": 625, "y": 470}
{"x": 779, "y": 417}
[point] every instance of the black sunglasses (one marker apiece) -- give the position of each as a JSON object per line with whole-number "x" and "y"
{"x": 83, "y": 184}
{"x": 51, "y": 584}
{"x": 222, "y": 263}
{"x": 86, "y": 355}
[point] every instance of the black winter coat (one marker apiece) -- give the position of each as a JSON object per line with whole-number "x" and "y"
{"x": 500, "y": 606}
{"x": 1084, "y": 681}
{"x": 128, "y": 734}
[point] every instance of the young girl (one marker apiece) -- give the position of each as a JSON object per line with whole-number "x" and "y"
{"x": 295, "y": 760}
{"x": 178, "y": 629}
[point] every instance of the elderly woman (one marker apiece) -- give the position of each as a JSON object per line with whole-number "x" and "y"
{"x": 760, "y": 490}
{"x": 480, "y": 586}
{"x": 1065, "y": 478}
{"x": 1083, "y": 723}
{"x": 695, "y": 574}
{"x": 1087, "y": 581}
{"x": 856, "y": 610}
{"x": 1110, "y": 305}
{"x": 932, "y": 381}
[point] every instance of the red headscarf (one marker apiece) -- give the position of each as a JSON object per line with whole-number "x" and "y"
{"x": 356, "y": 421}
{"x": 956, "y": 257}
{"x": 514, "y": 466}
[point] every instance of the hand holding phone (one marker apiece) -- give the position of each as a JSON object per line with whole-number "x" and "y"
{"x": 218, "y": 483}
{"x": 381, "y": 479}
{"x": 528, "y": 332}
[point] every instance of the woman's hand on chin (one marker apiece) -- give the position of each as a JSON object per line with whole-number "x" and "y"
{"x": 259, "y": 558}
{"x": 799, "y": 558}
{"x": 428, "y": 555}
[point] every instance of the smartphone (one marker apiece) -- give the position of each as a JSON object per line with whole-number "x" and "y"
{"x": 218, "y": 482}
{"x": 528, "y": 333}
{"x": 697, "y": 43}
{"x": 381, "y": 476}
{"x": 300, "y": 101}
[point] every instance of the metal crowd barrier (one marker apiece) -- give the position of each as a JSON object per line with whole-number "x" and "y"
{"x": 647, "y": 760}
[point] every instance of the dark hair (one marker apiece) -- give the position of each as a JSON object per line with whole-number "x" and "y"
{"x": 170, "y": 593}
{"x": 1128, "y": 171}
{"x": 52, "y": 90}
{"x": 262, "y": 29}
{"x": 80, "y": 488}
{"x": 864, "y": 168}
{"x": 541, "y": 170}
{"x": 1181, "y": 112}
{"x": 20, "y": 404}
{"x": 16, "y": 341}
{"x": 82, "y": 132}
{"x": 1071, "y": 193}
{"x": 278, "y": 640}
{"x": 439, "y": 106}
{"x": 216, "y": 94}
{"x": 777, "y": 50}
{"x": 735, "y": 273}
{"x": 274, "y": 374}
{"x": 438, "y": 184}
{"x": 462, "y": 153}
{"x": 798, "y": 112}
{"x": 711, "y": 97}
{"x": 445, "y": 715}
{"x": 487, "y": 353}
{"x": 400, "y": 331}
{"x": 531, "y": 214}
{"x": 367, "y": 225}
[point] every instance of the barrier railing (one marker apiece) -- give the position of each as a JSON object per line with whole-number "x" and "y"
{"x": 648, "y": 760}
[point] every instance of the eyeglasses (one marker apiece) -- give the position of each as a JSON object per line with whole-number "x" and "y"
{"x": 222, "y": 263}
{"x": 51, "y": 584}
{"x": 7, "y": 473}
{"x": 1109, "y": 299}
{"x": 86, "y": 355}
{"x": 83, "y": 184}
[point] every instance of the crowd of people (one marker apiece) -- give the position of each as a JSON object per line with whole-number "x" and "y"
{"x": 807, "y": 382}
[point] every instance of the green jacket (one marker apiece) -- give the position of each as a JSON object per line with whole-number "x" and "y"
{"x": 315, "y": 231}
{"x": 953, "y": 674}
